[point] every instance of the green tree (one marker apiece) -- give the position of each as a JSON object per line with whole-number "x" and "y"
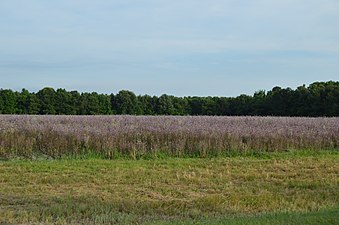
{"x": 7, "y": 102}
{"x": 47, "y": 101}
{"x": 147, "y": 104}
{"x": 331, "y": 99}
{"x": 64, "y": 102}
{"x": 104, "y": 104}
{"x": 76, "y": 102}
{"x": 301, "y": 102}
{"x": 181, "y": 106}
{"x": 126, "y": 103}
{"x": 260, "y": 103}
{"x": 318, "y": 99}
{"x": 222, "y": 106}
{"x": 33, "y": 104}
{"x": 195, "y": 105}
{"x": 22, "y": 102}
{"x": 165, "y": 105}
{"x": 89, "y": 104}
{"x": 209, "y": 106}
{"x": 241, "y": 105}
{"x": 279, "y": 102}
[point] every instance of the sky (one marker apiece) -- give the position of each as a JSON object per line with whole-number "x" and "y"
{"x": 177, "y": 47}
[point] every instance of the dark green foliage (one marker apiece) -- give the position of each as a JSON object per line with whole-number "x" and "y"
{"x": 64, "y": 102}
{"x": 48, "y": 100}
{"x": 165, "y": 105}
{"x": 89, "y": 104}
{"x": 147, "y": 104}
{"x": 126, "y": 102}
{"x": 23, "y": 102}
{"x": 7, "y": 102}
{"x": 318, "y": 99}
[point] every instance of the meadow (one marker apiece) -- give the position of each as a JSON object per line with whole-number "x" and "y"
{"x": 168, "y": 170}
{"x": 156, "y": 136}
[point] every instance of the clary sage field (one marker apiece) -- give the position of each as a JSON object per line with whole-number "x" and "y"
{"x": 178, "y": 136}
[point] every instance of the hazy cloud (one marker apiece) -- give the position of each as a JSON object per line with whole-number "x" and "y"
{"x": 153, "y": 46}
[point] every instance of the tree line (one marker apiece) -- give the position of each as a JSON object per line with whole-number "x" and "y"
{"x": 317, "y": 99}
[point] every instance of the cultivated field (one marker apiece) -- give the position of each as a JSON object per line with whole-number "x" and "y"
{"x": 154, "y": 136}
{"x": 168, "y": 170}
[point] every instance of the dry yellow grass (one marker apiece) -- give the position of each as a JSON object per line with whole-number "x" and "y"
{"x": 67, "y": 191}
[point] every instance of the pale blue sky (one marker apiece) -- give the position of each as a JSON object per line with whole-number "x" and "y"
{"x": 179, "y": 47}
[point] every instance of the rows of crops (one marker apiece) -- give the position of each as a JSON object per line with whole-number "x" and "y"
{"x": 135, "y": 136}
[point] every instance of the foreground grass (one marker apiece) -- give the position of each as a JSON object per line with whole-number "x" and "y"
{"x": 273, "y": 188}
{"x": 329, "y": 216}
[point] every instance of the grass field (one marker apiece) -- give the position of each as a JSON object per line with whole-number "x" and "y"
{"x": 272, "y": 188}
{"x": 138, "y": 137}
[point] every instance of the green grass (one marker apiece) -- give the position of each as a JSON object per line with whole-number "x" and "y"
{"x": 329, "y": 216}
{"x": 276, "y": 188}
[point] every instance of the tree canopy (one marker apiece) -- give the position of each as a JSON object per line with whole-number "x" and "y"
{"x": 318, "y": 99}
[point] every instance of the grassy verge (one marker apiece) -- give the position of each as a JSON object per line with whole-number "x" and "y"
{"x": 258, "y": 189}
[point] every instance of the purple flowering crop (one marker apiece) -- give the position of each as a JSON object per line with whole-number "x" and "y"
{"x": 110, "y": 136}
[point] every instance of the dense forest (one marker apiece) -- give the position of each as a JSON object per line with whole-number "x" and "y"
{"x": 318, "y": 99}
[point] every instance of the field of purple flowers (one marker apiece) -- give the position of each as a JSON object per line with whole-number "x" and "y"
{"x": 138, "y": 136}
